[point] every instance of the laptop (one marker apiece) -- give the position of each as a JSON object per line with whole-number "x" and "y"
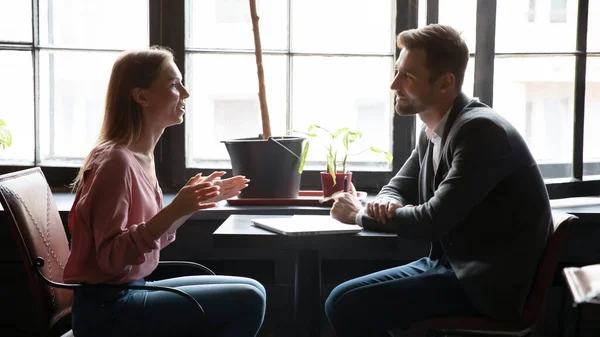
{"x": 305, "y": 225}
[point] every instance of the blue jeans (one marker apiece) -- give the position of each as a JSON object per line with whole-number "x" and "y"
{"x": 374, "y": 304}
{"x": 234, "y": 306}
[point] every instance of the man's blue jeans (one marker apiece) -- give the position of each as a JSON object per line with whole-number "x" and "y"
{"x": 234, "y": 306}
{"x": 373, "y": 304}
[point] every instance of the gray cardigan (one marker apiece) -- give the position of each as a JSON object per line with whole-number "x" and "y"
{"x": 486, "y": 206}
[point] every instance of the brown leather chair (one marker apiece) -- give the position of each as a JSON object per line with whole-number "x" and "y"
{"x": 42, "y": 242}
{"x": 478, "y": 326}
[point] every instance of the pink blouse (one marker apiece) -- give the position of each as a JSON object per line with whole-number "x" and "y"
{"x": 109, "y": 239}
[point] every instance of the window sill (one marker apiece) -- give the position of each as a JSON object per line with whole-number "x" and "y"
{"x": 581, "y": 206}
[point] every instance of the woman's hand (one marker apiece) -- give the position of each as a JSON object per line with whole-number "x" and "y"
{"x": 229, "y": 187}
{"x": 196, "y": 195}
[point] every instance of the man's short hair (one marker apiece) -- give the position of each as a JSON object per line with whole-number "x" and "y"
{"x": 446, "y": 50}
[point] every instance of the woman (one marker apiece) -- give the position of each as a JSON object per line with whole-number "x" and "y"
{"x": 118, "y": 223}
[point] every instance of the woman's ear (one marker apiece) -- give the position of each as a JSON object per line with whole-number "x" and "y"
{"x": 139, "y": 95}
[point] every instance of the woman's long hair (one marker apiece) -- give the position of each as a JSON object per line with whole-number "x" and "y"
{"x": 123, "y": 118}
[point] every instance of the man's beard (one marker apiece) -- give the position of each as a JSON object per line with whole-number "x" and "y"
{"x": 406, "y": 109}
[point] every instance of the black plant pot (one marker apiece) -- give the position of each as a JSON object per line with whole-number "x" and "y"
{"x": 271, "y": 165}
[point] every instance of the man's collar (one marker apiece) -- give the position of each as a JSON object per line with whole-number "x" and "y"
{"x": 439, "y": 129}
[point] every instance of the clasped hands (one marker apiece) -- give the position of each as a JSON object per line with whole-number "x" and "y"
{"x": 346, "y": 207}
{"x": 204, "y": 192}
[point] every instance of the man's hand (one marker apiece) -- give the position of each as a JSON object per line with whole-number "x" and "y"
{"x": 382, "y": 210}
{"x": 345, "y": 207}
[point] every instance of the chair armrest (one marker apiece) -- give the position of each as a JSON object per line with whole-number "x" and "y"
{"x": 186, "y": 264}
{"x": 38, "y": 263}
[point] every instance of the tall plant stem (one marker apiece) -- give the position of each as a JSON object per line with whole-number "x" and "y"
{"x": 262, "y": 95}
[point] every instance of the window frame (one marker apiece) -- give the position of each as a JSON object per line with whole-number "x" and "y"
{"x": 171, "y": 147}
{"x": 167, "y": 27}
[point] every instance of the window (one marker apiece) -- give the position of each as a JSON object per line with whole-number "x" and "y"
{"x": 330, "y": 67}
{"x": 537, "y": 82}
{"x": 531, "y": 11}
{"x": 327, "y": 65}
{"x": 72, "y": 58}
{"x": 534, "y": 82}
{"x": 554, "y": 11}
{"x": 558, "y": 11}
{"x": 462, "y": 16}
{"x": 517, "y": 34}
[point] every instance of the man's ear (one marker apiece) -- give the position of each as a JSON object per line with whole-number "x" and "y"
{"x": 447, "y": 82}
{"x": 139, "y": 95}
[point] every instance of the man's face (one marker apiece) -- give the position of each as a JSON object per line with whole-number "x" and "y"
{"x": 412, "y": 87}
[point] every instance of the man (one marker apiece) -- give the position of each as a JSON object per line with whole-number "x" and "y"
{"x": 478, "y": 197}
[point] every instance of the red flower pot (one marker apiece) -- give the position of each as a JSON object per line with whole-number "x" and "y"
{"x": 342, "y": 181}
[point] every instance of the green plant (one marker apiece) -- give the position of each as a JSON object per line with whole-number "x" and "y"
{"x": 337, "y": 144}
{"x": 5, "y": 135}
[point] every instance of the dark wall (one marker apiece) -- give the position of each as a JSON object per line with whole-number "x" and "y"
{"x": 274, "y": 268}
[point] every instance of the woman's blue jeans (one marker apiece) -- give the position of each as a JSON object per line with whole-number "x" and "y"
{"x": 234, "y": 306}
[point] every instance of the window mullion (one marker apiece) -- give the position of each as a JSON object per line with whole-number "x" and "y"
{"x": 433, "y": 11}
{"x": 485, "y": 43}
{"x": 35, "y": 24}
{"x": 404, "y": 133}
{"x": 170, "y": 151}
{"x": 289, "y": 68}
{"x": 580, "y": 83}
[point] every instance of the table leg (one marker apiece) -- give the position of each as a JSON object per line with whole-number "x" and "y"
{"x": 561, "y": 316}
{"x": 577, "y": 323}
{"x": 307, "y": 294}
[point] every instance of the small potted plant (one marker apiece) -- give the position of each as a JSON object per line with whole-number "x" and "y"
{"x": 337, "y": 146}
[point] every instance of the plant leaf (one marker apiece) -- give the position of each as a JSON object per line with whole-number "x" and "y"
{"x": 310, "y": 134}
{"x": 314, "y": 126}
{"x": 330, "y": 168}
{"x": 339, "y": 131}
{"x": 389, "y": 157}
{"x": 303, "y": 157}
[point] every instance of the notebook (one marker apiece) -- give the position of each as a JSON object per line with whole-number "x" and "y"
{"x": 305, "y": 225}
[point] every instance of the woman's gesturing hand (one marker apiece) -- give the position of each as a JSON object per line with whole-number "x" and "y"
{"x": 229, "y": 187}
{"x": 196, "y": 195}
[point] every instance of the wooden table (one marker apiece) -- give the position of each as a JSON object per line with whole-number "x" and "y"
{"x": 238, "y": 232}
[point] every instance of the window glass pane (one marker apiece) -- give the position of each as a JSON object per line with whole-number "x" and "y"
{"x": 342, "y": 26}
{"x": 226, "y": 24}
{"x": 467, "y": 89}
{"x": 224, "y": 103}
{"x": 113, "y": 24}
{"x": 536, "y": 26}
{"x": 15, "y": 20}
{"x": 16, "y": 106}
{"x": 422, "y": 14}
{"x": 353, "y": 92}
{"x": 536, "y": 95}
{"x": 462, "y": 16}
{"x": 593, "y": 34}
{"x": 71, "y": 105}
{"x": 591, "y": 136}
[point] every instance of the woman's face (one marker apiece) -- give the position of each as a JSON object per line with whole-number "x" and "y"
{"x": 165, "y": 99}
